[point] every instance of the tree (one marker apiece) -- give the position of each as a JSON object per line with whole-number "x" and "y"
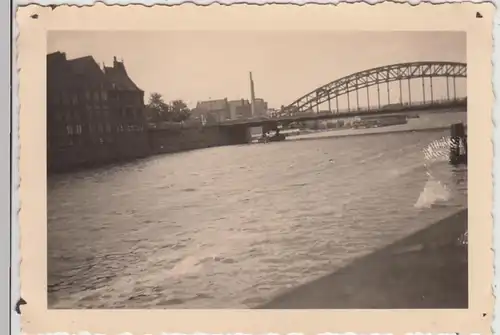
{"x": 179, "y": 110}
{"x": 157, "y": 108}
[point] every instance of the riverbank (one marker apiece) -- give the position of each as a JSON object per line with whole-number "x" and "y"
{"x": 356, "y": 133}
{"x": 428, "y": 269}
{"x": 362, "y": 132}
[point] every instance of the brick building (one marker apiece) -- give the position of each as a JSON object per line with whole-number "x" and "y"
{"x": 213, "y": 111}
{"x": 94, "y": 115}
{"x": 240, "y": 109}
{"x": 261, "y": 108}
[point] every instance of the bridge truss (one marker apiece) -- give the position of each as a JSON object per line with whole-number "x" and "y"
{"x": 377, "y": 77}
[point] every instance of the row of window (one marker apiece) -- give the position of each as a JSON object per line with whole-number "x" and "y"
{"x": 98, "y": 113}
{"x": 102, "y": 128}
{"x": 95, "y": 97}
{"x": 73, "y": 98}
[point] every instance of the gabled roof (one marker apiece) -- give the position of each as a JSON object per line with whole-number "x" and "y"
{"x": 118, "y": 77}
{"x": 87, "y": 69}
{"x": 74, "y": 73}
{"x": 85, "y": 72}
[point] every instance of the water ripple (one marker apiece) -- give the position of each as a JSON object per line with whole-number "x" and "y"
{"x": 230, "y": 227}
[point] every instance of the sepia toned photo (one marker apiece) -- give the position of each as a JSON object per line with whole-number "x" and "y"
{"x": 255, "y": 169}
{"x": 264, "y": 176}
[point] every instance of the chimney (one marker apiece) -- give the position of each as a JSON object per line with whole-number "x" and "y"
{"x": 252, "y": 95}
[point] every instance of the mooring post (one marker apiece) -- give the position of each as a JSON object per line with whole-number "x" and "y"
{"x": 458, "y": 144}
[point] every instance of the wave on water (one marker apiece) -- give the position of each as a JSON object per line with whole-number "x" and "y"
{"x": 434, "y": 192}
{"x": 438, "y": 150}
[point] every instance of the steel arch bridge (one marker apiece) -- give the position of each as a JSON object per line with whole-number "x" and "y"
{"x": 375, "y": 77}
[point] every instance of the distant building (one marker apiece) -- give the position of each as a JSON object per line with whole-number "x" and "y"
{"x": 94, "y": 115}
{"x": 260, "y": 107}
{"x": 240, "y": 109}
{"x": 212, "y": 111}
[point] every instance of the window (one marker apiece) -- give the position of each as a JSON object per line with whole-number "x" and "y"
{"x": 74, "y": 99}
{"x": 69, "y": 129}
{"x": 104, "y": 95}
{"x": 78, "y": 129}
{"x": 96, "y": 96}
{"x": 100, "y": 128}
{"x": 108, "y": 128}
{"x": 91, "y": 128}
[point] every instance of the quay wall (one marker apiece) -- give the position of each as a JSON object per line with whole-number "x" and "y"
{"x": 163, "y": 141}
{"x": 85, "y": 154}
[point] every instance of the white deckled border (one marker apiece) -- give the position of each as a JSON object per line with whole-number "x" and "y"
{"x": 349, "y": 333}
{"x": 15, "y": 138}
{"x": 228, "y": 2}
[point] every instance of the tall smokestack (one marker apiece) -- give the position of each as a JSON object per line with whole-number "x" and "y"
{"x": 252, "y": 95}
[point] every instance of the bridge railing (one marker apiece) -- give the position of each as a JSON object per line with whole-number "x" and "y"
{"x": 371, "y": 108}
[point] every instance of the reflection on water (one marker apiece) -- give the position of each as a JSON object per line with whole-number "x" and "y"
{"x": 229, "y": 227}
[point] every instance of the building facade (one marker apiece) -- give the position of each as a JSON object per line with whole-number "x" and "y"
{"x": 94, "y": 115}
{"x": 260, "y": 109}
{"x": 212, "y": 111}
{"x": 240, "y": 109}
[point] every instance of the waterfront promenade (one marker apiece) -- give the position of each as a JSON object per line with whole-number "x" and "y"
{"x": 425, "y": 270}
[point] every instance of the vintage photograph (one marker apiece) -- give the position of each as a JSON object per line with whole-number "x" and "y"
{"x": 257, "y": 170}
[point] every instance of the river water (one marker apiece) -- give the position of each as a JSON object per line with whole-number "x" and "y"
{"x": 231, "y": 227}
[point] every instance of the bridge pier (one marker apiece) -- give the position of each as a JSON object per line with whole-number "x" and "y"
{"x": 237, "y": 134}
{"x": 458, "y": 144}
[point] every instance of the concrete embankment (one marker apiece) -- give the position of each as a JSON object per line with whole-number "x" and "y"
{"x": 428, "y": 269}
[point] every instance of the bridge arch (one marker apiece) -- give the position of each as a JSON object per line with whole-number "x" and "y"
{"x": 375, "y": 77}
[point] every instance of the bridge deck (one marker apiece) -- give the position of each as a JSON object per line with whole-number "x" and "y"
{"x": 450, "y": 107}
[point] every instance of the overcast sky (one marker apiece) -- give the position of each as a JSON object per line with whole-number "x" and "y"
{"x": 202, "y": 65}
